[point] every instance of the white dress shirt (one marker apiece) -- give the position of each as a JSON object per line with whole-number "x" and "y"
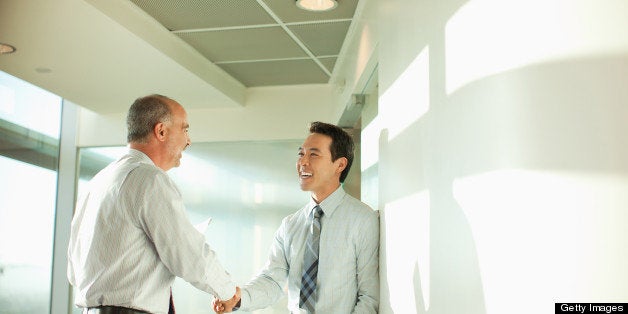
{"x": 131, "y": 236}
{"x": 348, "y": 276}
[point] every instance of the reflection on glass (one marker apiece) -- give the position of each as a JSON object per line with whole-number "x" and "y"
{"x": 29, "y": 150}
{"x": 246, "y": 187}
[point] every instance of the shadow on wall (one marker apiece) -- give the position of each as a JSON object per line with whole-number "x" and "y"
{"x": 560, "y": 117}
{"x": 428, "y": 257}
{"x": 429, "y": 260}
{"x": 477, "y": 193}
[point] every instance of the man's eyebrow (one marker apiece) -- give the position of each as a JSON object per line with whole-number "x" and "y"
{"x": 313, "y": 149}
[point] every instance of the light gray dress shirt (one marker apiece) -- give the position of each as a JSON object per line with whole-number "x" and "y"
{"x": 131, "y": 236}
{"x": 348, "y": 277}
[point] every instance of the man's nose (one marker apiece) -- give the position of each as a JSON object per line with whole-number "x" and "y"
{"x": 303, "y": 160}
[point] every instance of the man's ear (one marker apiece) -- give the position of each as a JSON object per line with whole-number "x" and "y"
{"x": 160, "y": 131}
{"x": 342, "y": 164}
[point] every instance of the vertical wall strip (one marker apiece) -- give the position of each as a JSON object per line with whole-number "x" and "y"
{"x": 60, "y": 301}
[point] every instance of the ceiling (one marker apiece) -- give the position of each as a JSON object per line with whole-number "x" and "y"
{"x": 101, "y": 54}
{"x": 259, "y": 42}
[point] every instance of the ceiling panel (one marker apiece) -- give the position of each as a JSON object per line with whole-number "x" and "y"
{"x": 198, "y": 14}
{"x": 244, "y": 44}
{"x": 284, "y": 72}
{"x": 329, "y": 63}
{"x": 322, "y": 39}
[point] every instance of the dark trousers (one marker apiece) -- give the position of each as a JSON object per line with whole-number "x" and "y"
{"x": 111, "y": 310}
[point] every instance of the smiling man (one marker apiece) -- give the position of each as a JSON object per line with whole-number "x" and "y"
{"x": 130, "y": 235}
{"x": 327, "y": 252}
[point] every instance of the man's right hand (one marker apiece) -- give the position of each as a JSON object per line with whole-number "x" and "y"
{"x": 226, "y": 306}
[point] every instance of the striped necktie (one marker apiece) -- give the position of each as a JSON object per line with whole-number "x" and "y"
{"x": 310, "y": 263}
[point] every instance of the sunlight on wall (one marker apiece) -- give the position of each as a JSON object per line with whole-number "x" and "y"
{"x": 486, "y": 37}
{"x": 408, "y": 98}
{"x": 407, "y": 223}
{"x": 406, "y": 101}
{"x": 567, "y": 228}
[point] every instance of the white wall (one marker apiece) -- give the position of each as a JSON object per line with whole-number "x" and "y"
{"x": 270, "y": 113}
{"x": 498, "y": 153}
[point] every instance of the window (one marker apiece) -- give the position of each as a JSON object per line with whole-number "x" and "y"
{"x": 30, "y": 121}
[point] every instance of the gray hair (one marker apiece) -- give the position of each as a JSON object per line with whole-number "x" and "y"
{"x": 144, "y": 114}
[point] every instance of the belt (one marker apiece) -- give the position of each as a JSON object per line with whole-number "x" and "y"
{"x": 111, "y": 310}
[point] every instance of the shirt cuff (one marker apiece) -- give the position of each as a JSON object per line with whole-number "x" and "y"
{"x": 245, "y": 300}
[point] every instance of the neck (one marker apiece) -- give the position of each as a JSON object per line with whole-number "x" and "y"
{"x": 320, "y": 196}
{"x": 152, "y": 152}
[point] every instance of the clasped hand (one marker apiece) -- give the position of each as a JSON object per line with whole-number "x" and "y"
{"x": 226, "y": 306}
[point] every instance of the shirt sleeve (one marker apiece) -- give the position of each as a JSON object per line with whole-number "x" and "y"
{"x": 267, "y": 288}
{"x": 368, "y": 266}
{"x": 180, "y": 246}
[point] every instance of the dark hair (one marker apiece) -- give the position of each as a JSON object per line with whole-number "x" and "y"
{"x": 144, "y": 114}
{"x": 341, "y": 143}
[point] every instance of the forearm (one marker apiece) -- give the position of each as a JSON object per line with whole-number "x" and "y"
{"x": 215, "y": 279}
{"x": 368, "y": 290}
{"x": 261, "y": 292}
{"x": 368, "y": 271}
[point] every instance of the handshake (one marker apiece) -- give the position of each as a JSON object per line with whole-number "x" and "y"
{"x": 226, "y": 306}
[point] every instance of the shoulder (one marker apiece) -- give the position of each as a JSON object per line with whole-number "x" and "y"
{"x": 293, "y": 218}
{"x": 293, "y": 221}
{"x": 149, "y": 179}
{"x": 358, "y": 208}
{"x": 148, "y": 173}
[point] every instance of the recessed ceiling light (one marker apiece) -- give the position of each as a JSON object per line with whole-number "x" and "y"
{"x": 6, "y": 49}
{"x": 317, "y": 5}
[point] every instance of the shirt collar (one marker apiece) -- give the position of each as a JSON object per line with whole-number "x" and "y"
{"x": 330, "y": 203}
{"x": 141, "y": 156}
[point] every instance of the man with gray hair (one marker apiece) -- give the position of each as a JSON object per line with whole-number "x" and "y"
{"x": 130, "y": 235}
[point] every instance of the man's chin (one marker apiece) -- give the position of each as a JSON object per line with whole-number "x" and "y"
{"x": 304, "y": 187}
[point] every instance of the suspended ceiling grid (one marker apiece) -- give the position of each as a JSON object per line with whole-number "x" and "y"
{"x": 259, "y": 42}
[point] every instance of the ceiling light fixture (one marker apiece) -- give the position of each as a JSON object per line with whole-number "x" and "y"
{"x": 6, "y": 49}
{"x": 317, "y": 5}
